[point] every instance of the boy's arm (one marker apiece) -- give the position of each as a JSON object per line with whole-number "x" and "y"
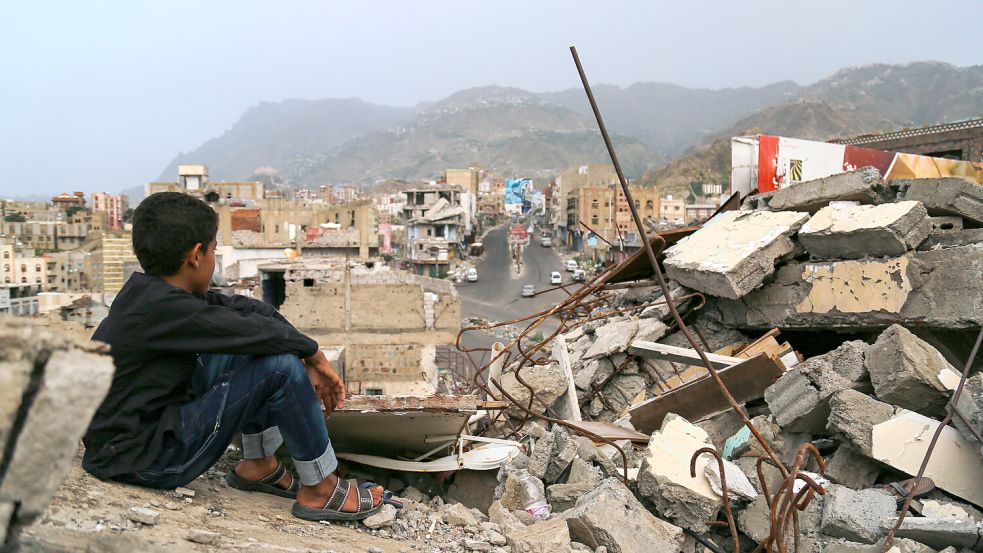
{"x": 243, "y": 304}
{"x": 180, "y": 322}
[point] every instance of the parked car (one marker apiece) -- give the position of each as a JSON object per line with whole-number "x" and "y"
{"x": 472, "y": 274}
{"x": 546, "y": 241}
{"x": 556, "y": 278}
{"x": 579, "y": 275}
{"x": 570, "y": 266}
{"x": 528, "y": 291}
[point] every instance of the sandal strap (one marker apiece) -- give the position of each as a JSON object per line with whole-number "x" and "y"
{"x": 364, "y": 500}
{"x": 294, "y": 486}
{"x": 276, "y": 476}
{"x": 338, "y": 495}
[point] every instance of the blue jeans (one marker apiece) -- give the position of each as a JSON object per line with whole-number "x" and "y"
{"x": 268, "y": 399}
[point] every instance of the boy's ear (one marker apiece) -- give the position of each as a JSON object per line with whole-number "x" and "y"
{"x": 194, "y": 256}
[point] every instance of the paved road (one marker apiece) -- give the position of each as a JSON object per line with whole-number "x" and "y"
{"x": 496, "y": 295}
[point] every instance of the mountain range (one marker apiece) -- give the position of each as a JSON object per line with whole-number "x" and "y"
{"x": 666, "y": 135}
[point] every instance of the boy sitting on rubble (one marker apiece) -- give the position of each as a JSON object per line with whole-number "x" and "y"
{"x": 195, "y": 368}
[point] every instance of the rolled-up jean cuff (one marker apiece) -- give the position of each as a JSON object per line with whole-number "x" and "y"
{"x": 313, "y": 472}
{"x": 264, "y": 444}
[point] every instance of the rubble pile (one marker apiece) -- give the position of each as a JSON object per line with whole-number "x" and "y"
{"x": 878, "y": 287}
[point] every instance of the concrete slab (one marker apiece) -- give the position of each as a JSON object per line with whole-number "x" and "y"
{"x": 664, "y": 477}
{"x": 734, "y": 252}
{"x": 945, "y": 196}
{"x": 855, "y": 231}
{"x": 811, "y": 196}
{"x": 856, "y": 515}
{"x": 938, "y": 289}
{"x": 908, "y": 372}
{"x": 611, "y": 517}
{"x": 853, "y": 416}
{"x": 955, "y": 466}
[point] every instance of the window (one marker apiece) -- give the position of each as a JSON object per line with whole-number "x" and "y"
{"x": 37, "y": 280}
{"x": 6, "y": 268}
{"x": 638, "y": 204}
{"x": 373, "y": 391}
{"x": 23, "y": 267}
{"x": 23, "y": 280}
{"x": 308, "y": 282}
{"x": 648, "y": 204}
{"x": 37, "y": 268}
{"x": 593, "y": 219}
{"x": 6, "y": 255}
{"x": 593, "y": 204}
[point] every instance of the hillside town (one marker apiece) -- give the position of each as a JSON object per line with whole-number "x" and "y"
{"x": 400, "y": 278}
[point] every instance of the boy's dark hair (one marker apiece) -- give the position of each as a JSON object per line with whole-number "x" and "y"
{"x": 168, "y": 224}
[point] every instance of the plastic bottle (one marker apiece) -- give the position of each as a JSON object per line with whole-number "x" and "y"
{"x": 533, "y": 500}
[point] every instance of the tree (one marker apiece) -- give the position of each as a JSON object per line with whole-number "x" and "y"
{"x": 14, "y": 218}
{"x": 128, "y": 215}
{"x": 72, "y": 210}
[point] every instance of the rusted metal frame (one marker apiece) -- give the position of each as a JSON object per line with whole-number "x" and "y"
{"x": 658, "y": 271}
{"x": 723, "y": 489}
{"x": 661, "y": 382}
{"x": 950, "y": 408}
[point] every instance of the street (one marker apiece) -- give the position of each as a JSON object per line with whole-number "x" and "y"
{"x": 496, "y": 295}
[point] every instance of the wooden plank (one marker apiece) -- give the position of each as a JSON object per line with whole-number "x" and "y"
{"x": 610, "y": 431}
{"x": 746, "y": 380}
{"x": 652, "y": 350}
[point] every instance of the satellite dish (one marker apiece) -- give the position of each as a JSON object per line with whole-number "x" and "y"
{"x": 108, "y": 297}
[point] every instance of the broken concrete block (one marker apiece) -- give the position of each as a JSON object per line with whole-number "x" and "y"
{"x": 650, "y": 330}
{"x": 941, "y": 288}
{"x": 859, "y": 186}
{"x": 849, "y": 467}
{"x": 664, "y": 476}
{"x": 564, "y": 496}
{"x": 143, "y": 515}
{"x": 955, "y": 465}
{"x": 738, "y": 485}
{"x": 855, "y": 231}
{"x": 382, "y": 519}
{"x": 945, "y": 196}
{"x": 898, "y": 545}
{"x": 550, "y": 536}
{"x": 937, "y": 532}
{"x": 856, "y": 515}
{"x": 582, "y": 471}
{"x": 474, "y": 488}
{"x": 785, "y": 444}
{"x": 206, "y": 537}
{"x": 14, "y": 378}
{"x": 853, "y": 416}
{"x": 504, "y": 518}
{"x": 734, "y": 252}
{"x": 552, "y": 455}
{"x": 755, "y": 521}
{"x": 612, "y": 338}
{"x": 952, "y": 239}
{"x": 945, "y": 223}
{"x": 970, "y": 405}
{"x": 799, "y": 400}
{"x": 611, "y": 517}
{"x": 548, "y": 381}
{"x": 933, "y": 508}
{"x": 457, "y": 514}
{"x": 72, "y": 388}
{"x": 908, "y": 372}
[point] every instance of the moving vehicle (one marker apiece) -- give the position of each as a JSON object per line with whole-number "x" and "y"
{"x": 528, "y": 291}
{"x": 546, "y": 241}
{"x": 579, "y": 275}
{"x": 570, "y": 265}
{"x": 556, "y": 278}
{"x": 472, "y": 274}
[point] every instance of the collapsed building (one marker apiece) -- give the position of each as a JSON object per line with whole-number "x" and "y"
{"x": 386, "y": 325}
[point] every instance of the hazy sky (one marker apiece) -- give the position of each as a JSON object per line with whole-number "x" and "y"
{"x": 101, "y": 95}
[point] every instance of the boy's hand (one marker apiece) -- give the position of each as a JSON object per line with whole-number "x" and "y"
{"x": 327, "y": 384}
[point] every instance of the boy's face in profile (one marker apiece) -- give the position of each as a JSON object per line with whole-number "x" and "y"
{"x": 202, "y": 266}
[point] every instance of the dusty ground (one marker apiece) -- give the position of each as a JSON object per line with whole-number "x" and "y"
{"x": 90, "y": 515}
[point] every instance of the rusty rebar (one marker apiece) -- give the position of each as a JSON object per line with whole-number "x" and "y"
{"x": 723, "y": 491}
{"x": 653, "y": 260}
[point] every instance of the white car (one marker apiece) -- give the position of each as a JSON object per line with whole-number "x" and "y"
{"x": 570, "y": 265}
{"x": 556, "y": 278}
{"x": 472, "y": 275}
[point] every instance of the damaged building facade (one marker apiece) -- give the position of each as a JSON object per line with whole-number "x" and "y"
{"x": 389, "y": 323}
